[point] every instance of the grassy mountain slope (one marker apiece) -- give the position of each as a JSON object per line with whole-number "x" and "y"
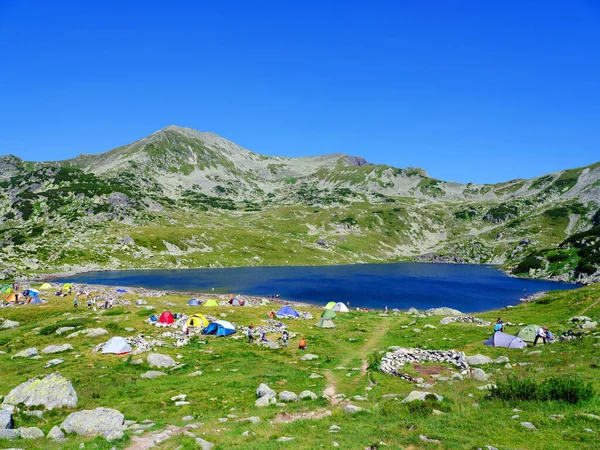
{"x": 191, "y": 199}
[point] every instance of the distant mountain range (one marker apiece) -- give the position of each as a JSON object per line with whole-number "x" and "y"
{"x": 184, "y": 198}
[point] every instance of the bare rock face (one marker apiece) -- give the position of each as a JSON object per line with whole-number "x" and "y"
{"x": 104, "y": 422}
{"x": 52, "y": 391}
{"x": 6, "y": 420}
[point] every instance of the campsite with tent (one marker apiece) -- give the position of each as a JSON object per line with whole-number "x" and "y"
{"x": 358, "y": 368}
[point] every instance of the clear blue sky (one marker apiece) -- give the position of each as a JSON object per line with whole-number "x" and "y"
{"x": 469, "y": 90}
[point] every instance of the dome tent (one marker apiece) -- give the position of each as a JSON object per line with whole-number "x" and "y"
{"x": 117, "y": 345}
{"x": 45, "y": 286}
{"x": 35, "y": 301}
{"x": 237, "y": 302}
{"x": 340, "y": 307}
{"x": 528, "y": 333}
{"x": 287, "y": 311}
{"x": 193, "y": 302}
{"x": 329, "y": 314}
{"x": 329, "y": 305}
{"x": 66, "y": 286}
{"x": 197, "y": 320}
{"x": 219, "y": 328}
{"x": 6, "y": 289}
{"x": 325, "y": 323}
{"x": 500, "y": 339}
{"x": 166, "y": 318}
{"x": 211, "y": 302}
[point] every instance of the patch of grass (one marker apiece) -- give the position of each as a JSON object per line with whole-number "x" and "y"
{"x": 565, "y": 389}
{"x": 51, "y": 329}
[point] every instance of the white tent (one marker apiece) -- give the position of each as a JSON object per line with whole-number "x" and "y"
{"x": 340, "y": 307}
{"x": 117, "y": 345}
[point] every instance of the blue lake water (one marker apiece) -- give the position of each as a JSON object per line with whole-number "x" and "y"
{"x": 469, "y": 288}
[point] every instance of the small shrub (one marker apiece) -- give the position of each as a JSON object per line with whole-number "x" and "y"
{"x": 51, "y": 329}
{"x": 144, "y": 313}
{"x": 115, "y": 312}
{"x": 373, "y": 361}
{"x": 531, "y": 262}
{"x": 565, "y": 389}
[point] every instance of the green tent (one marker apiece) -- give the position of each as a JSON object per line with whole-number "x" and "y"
{"x": 528, "y": 333}
{"x": 211, "y": 302}
{"x": 6, "y": 289}
{"x": 329, "y": 305}
{"x": 325, "y": 323}
{"x": 329, "y": 314}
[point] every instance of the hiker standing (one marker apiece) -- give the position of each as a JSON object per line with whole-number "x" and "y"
{"x": 302, "y": 344}
{"x": 250, "y": 335}
{"x": 75, "y": 303}
{"x": 284, "y": 337}
{"x": 386, "y": 309}
{"x": 271, "y": 314}
{"x": 89, "y": 303}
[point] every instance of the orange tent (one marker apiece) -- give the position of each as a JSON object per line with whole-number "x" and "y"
{"x": 12, "y": 298}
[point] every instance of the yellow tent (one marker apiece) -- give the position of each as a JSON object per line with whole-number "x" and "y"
{"x": 12, "y": 298}
{"x": 6, "y": 289}
{"x": 211, "y": 302}
{"x": 330, "y": 305}
{"x": 45, "y": 287}
{"x": 197, "y": 320}
{"x": 66, "y": 286}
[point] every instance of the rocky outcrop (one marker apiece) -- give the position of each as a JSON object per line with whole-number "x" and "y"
{"x": 159, "y": 360}
{"x": 52, "y": 391}
{"x": 444, "y": 311}
{"x": 6, "y": 420}
{"x": 464, "y": 319}
{"x": 104, "y": 422}
{"x": 393, "y": 360}
{"x": 57, "y": 348}
{"x": 440, "y": 259}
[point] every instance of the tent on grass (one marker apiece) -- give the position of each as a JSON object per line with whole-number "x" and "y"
{"x": 329, "y": 305}
{"x": 219, "y": 328}
{"x": 500, "y": 339}
{"x": 211, "y": 302}
{"x": 325, "y": 323}
{"x": 235, "y": 301}
{"x": 166, "y": 318}
{"x": 329, "y": 314}
{"x": 31, "y": 293}
{"x": 193, "y": 302}
{"x": 287, "y": 311}
{"x": 528, "y": 333}
{"x": 121, "y": 291}
{"x": 12, "y": 298}
{"x": 66, "y": 286}
{"x": 45, "y": 286}
{"x": 340, "y": 307}
{"x": 35, "y": 301}
{"x": 197, "y": 320}
{"x": 6, "y": 289}
{"x": 117, "y": 345}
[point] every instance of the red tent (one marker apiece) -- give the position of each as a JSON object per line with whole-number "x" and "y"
{"x": 167, "y": 318}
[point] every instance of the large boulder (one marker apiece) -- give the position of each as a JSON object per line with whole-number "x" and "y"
{"x": 159, "y": 360}
{"x": 57, "y": 348}
{"x": 444, "y": 311}
{"x": 31, "y": 433}
{"x": 479, "y": 374}
{"x": 478, "y": 360}
{"x": 55, "y": 434}
{"x": 6, "y": 420}
{"x": 52, "y": 391}
{"x": 307, "y": 395}
{"x": 265, "y": 400}
{"x": 420, "y": 396}
{"x": 152, "y": 374}
{"x": 27, "y": 353}
{"x": 104, "y": 422}
{"x": 287, "y": 396}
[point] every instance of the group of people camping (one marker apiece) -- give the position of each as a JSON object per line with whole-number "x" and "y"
{"x": 283, "y": 339}
{"x": 541, "y": 332}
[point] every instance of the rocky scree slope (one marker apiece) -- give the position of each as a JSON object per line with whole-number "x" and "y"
{"x": 183, "y": 198}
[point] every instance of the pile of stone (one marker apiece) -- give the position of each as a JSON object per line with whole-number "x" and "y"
{"x": 392, "y": 360}
{"x": 465, "y": 319}
{"x": 267, "y": 396}
{"x": 584, "y": 322}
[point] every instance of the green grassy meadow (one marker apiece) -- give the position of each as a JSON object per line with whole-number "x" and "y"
{"x": 232, "y": 370}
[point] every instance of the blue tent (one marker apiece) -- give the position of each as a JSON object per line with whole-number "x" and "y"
{"x": 287, "y": 311}
{"x": 219, "y": 328}
{"x": 35, "y": 301}
{"x": 122, "y": 291}
{"x": 193, "y": 302}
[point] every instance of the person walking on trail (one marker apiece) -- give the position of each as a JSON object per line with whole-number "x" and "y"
{"x": 250, "y": 335}
{"x": 284, "y": 337}
{"x": 302, "y": 344}
{"x": 541, "y": 333}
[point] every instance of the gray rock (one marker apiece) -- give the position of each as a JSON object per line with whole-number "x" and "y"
{"x": 479, "y": 375}
{"x": 590, "y": 416}
{"x": 159, "y": 360}
{"x": 9, "y": 324}
{"x": 204, "y": 445}
{"x": 31, "y": 433}
{"x": 253, "y": 419}
{"x": 443, "y": 312}
{"x": 309, "y": 357}
{"x": 52, "y": 391}
{"x": 528, "y": 425}
{"x": 137, "y": 361}
{"x": 9, "y": 434}
{"x": 334, "y": 429}
{"x": 265, "y": 400}
{"x": 35, "y": 413}
{"x": 285, "y": 439}
{"x": 315, "y": 375}
{"x": 307, "y": 395}
{"x": 263, "y": 389}
{"x": 287, "y": 396}
{"x": 412, "y": 311}
{"x": 197, "y": 373}
{"x": 57, "y": 348}
{"x": 53, "y": 362}
{"x": 478, "y": 360}
{"x": 502, "y": 360}
{"x": 62, "y": 330}
{"x": 420, "y": 396}
{"x": 127, "y": 240}
{"x": 187, "y": 418}
{"x": 6, "y": 420}
{"x": 589, "y": 325}
{"x": 352, "y": 409}
{"x": 152, "y": 374}
{"x": 104, "y": 422}
{"x": 27, "y": 353}
{"x": 55, "y": 434}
